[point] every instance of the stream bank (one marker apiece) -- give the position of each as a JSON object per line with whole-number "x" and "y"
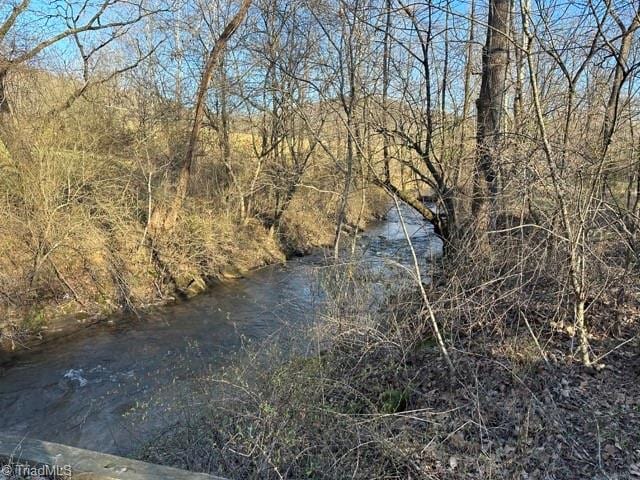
{"x": 110, "y": 387}
{"x": 130, "y": 288}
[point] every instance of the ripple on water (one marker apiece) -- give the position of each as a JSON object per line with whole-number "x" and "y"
{"x": 74, "y": 375}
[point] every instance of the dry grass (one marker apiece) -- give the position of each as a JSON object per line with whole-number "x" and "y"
{"x": 373, "y": 397}
{"x": 75, "y": 195}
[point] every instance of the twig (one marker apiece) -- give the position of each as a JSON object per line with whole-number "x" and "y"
{"x": 432, "y": 318}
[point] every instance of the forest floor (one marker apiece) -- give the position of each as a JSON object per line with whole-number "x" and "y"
{"x": 370, "y": 406}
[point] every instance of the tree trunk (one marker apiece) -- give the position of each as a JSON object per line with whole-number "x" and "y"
{"x": 385, "y": 87}
{"x": 169, "y": 220}
{"x": 466, "y": 94}
{"x": 490, "y": 106}
{"x": 619, "y": 77}
{"x": 223, "y": 126}
{"x": 4, "y": 101}
{"x": 518, "y": 101}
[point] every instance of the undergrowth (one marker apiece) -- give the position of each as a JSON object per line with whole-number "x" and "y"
{"x": 76, "y": 203}
{"x": 369, "y": 395}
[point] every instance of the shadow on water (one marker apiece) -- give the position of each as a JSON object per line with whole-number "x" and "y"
{"x": 82, "y": 390}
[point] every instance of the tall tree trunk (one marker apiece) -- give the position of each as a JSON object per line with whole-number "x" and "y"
{"x": 518, "y": 101}
{"x": 4, "y": 101}
{"x": 223, "y": 125}
{"x": 619, "y": 76}
{"x": 169, "y": 220}
{"x": 490, "y": 106}
{"x": 353, "y": 136}
{"x": 5, "y": 112}
{"x": 457, "y": 180}
{"x": 224, "y": 141}
{"x": 386, "y": 57}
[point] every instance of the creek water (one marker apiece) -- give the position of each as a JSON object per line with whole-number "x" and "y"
{"x": 81, "y": 390}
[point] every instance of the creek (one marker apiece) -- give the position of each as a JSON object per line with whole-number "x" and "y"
{"x": 87, "y": 389}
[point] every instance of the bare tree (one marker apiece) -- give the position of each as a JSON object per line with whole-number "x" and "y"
{"x": 75, "y": 19}
{"x": 166, "y": 220}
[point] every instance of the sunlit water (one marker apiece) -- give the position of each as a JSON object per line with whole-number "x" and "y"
{"x": 86, "y": 390}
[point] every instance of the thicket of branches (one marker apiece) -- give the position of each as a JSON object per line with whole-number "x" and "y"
{"x": 149, "y": 145}
{"x": 129, "y": 118}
